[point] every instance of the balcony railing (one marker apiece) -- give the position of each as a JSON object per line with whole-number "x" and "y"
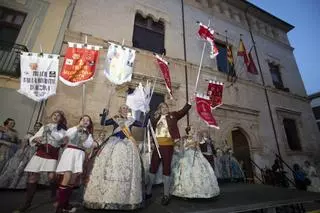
{"x": 10, "y": 58}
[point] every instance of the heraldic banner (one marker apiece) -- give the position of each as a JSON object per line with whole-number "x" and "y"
{"x": 79, "y": 64}
{"x": 39, "y": 75}
{"x": 119, "y": 64}
{"x": 215, "y": 90}
{"x": 204, "y": 110}
{"x": 164, "y": 69}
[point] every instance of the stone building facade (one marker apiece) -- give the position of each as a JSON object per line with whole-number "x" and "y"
{"x": 244, "y": 119}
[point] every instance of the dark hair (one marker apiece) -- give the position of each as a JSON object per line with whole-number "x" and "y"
{"x": 62, "y": 124}
{"x": 6, "y": 122}
{"x": 90, "y": 127}
{"x": 38, "y": 123}
{"x": 296, "y": 167}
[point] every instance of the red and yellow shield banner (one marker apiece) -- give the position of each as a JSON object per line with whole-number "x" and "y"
{"x": 79, "y": 64}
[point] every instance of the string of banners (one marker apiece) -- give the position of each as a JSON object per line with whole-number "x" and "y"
{"x": 39, "y": 75}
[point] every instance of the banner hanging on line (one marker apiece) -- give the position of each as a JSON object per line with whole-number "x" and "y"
{"x": 39, "y": 75}
{"x": 119, "y": 64}
{"x": 79, "y": 63}
{"x": 215, "y": 91}
{"x": 204, "y": 110}
{"x": 164, "y": 68}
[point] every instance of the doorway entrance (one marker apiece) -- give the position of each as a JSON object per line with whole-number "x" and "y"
{"x": 242, "y": 152}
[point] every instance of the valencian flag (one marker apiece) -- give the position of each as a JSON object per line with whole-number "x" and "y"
{"x": 39, "y": 75}
{"x": 119, "y": 64}
{"x": 231, "y": 71}
{"x": 247, "y": 58}
{"x": 207, "y": 34}
{"x": 204, "y": 110}
{"x": 163, "y": 65}
{"x": 79, "y": 63}
{"x": 215, "y": 90}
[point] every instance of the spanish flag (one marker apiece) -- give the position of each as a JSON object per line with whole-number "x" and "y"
{"x": 247, "y": 58}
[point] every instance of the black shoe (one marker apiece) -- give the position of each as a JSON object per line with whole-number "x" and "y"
{"x": 148, "y": 196}
{"x": 165, "y": 200}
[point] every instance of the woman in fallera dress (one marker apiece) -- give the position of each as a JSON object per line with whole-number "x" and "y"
{"x": 48, "y": 141}
{"x": 13, "y": 175}
{"x": 71, "y": 162}
{"x": 8, "y": 141}
{"x": 193, "y": 176}
{"x": 313, "y": 176}
{"x": 116, "y": 177}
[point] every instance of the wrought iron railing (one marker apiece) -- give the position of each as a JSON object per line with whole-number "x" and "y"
{"x": 10, "y": 58}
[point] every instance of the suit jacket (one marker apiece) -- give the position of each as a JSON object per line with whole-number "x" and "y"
{"x": 172, "y": 119}
{"x": 204, "y": 146}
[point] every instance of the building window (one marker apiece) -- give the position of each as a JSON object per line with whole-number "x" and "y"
{"x": 11, "y": 22}
{"x": 156, "y": 99}
{"x": 292, "y": 134}
{"x": 316, "y": 112}
{"x": 148, "y": 34}
{"x": 276, "y": 76}
{"x": 222, "y": 57}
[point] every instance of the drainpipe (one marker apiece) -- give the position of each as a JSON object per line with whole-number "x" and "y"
{"x": 185, "y": 57}
{"x": 263, "y": 82}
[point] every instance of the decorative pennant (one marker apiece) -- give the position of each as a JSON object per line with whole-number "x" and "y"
{"x": 119, "y": 64}
{"x": 39, "y": 75}
{"x": 215, "y": 90}
{"x": 79, "y": 64}
{"x": 207, "y": 34}
{"x": 204, "y": 110}
{"x": 163, "y": 65}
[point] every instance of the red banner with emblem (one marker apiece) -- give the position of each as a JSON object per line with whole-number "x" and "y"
{"x": 204, "y": 110}
{"x": 79, "y": 64}
{"x": 163, "y": 65}
{"x": 215, "y": 91}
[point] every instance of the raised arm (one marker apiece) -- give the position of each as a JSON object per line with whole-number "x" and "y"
{"x": 39, "y": 134}
{"x": 182, "y": 112}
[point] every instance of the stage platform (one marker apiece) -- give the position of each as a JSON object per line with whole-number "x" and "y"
{"x": 234, "y": 197}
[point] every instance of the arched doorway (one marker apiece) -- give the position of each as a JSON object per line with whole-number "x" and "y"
{"x": 241, "y": 151}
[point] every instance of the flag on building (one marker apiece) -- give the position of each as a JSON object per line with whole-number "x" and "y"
{"x": 119, "y": 64}
{"x": 215, "y": 90}
{"x": 231, "y": 70}
{"x": 79, "y": 64}
{"x": 39, "y": 75}
{"x": 204, "y": 110}
{"x": 207, "y": 34}
{"x": 247, "y": 58}
{"x": 163, "y": 65}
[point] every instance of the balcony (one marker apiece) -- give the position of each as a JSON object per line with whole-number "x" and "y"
{"x": 10, "y": 58}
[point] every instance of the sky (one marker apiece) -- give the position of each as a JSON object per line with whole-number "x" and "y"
{"x": 304, "y": 15}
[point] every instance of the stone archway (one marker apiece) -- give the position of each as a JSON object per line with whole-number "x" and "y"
{"x": 241, "y": 150}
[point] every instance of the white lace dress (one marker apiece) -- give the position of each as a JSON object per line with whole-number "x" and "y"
{"x": 314, "y": 178}
{"x": 115, "y": 181}
{"x": 193, "y": 176}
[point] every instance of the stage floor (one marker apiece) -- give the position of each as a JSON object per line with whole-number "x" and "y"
{"x": 233, "y": 198}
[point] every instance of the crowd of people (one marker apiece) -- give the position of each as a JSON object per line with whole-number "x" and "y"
{"x": 115, "y": 171}
{"x": 304, "y": 177}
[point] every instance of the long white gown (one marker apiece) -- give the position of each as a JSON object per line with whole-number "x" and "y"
{"x": 115, "y": 181}
{"x": 193, "y": 176}
{"x": 314, "y": 178}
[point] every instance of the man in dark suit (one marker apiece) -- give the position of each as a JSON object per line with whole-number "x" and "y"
{"x": 207, "y": 148}
{"x": 165, "y": 124}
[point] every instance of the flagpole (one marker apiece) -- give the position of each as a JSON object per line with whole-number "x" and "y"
{"x": 263, "y": 82}
{"x": 185, "y": 58}
{"x": 201, "y": 60}
{"x": 84, "y": 85}
{"x": 228, "y": 74}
